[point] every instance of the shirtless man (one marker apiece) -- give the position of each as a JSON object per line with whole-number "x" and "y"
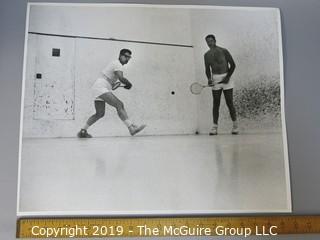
{"x": 219, "y": 67}
{"x": 103, "y": 93}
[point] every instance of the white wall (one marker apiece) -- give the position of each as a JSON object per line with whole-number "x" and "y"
{"x": 155, "y": 70}
{"x": 165, "y": 25}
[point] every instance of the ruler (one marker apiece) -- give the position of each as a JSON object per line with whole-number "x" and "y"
{"x": 102, "y": 227}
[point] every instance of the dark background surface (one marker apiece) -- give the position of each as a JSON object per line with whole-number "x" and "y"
{"x": 301, "y": 39}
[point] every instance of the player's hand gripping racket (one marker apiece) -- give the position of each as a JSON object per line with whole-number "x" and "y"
{"x": 196, "y": 88}
{"x": 119, "y": 84}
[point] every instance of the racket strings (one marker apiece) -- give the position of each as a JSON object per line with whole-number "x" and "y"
{"x": 196, "y": 88}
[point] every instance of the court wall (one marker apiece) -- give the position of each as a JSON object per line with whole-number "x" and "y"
{"x": 161, "y": 69}
{"x": 168, "y": 47}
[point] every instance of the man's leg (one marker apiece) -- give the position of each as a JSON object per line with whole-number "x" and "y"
{"x": 113, "y": 101}
{"x": 100, "y": 110}
{"x": 228, "y": 94}
{"x": 216, "y": 94}
{"x": 100, "y": 107}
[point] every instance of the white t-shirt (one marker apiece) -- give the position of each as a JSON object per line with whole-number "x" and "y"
{"x": 108, "y": 71}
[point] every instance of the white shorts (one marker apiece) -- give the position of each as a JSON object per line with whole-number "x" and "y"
{"x": 218, "y": 78}
{"x": 100, "y": 87}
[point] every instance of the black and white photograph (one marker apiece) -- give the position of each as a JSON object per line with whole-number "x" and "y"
{"x": 143, "y": 109}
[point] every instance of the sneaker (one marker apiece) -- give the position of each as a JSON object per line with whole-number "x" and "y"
{"x": 235, "y": 130}
{"x": 133, "y": 129}
{"x": 83, "y": 134}
{"x": 214, "y": 131}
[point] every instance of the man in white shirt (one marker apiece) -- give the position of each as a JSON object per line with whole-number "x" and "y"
{"x": 103, "y": 93}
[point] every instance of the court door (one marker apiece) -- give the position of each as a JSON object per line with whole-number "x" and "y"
{"x": 54, "y": 77}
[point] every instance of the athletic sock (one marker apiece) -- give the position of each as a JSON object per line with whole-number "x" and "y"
{"x": 235, "y": 123}
{"x": 86, "y": 127}
{"x": 127, "y": 122}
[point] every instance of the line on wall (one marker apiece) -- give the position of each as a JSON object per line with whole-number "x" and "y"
{"x": 112, "y": 39}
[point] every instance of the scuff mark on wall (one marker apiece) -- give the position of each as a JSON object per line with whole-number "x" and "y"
{"x": 258, "y": 98}
{"x": 52, "y": 102}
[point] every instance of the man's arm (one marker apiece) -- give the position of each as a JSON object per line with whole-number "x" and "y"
{"x": 123, "y": 80}
{"x": 231, "y": 66}
{"x": 208, "y": 70}
{"x": 231, "y": 63}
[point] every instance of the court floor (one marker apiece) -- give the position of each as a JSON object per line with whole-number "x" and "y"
{"x": 154, "y": 174}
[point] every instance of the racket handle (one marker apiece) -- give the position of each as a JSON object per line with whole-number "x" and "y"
{"x": 116, "y": 85}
